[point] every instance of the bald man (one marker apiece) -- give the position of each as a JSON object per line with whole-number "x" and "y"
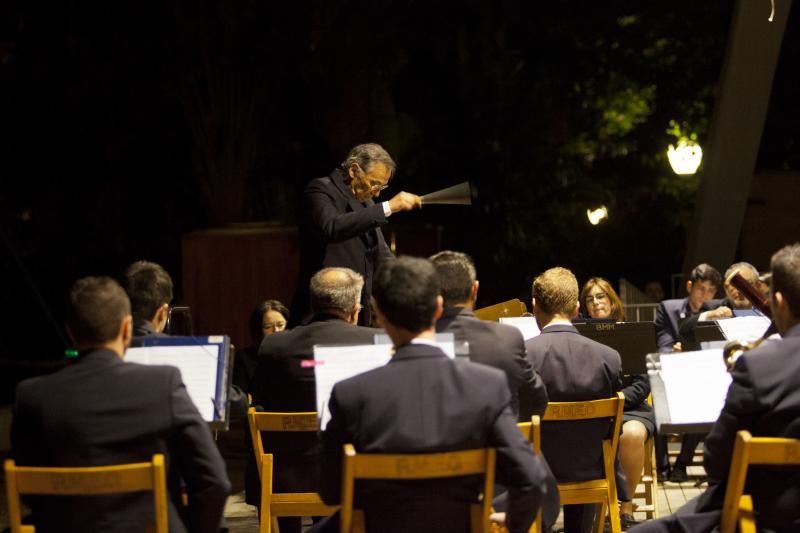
{"x": 284, "y": 382}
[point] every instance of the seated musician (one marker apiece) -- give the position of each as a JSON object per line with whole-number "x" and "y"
{"x": 100, "y": 410}
{"x": 762, "y": 399}
{"x": 703, "y": 283}
{"x": 268, "y": 317}
{"x": 490, "y": 343}
{"x": 638, "y": 420}
{"x": 573, "y": 368}
{"x": 719, "y": 309}
{"x": 423, "y": 401}
{"x": 284, "y": 381}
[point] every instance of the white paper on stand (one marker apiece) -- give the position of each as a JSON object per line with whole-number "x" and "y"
{"x": 525, "y": 324}
{"x": 696, "y": 384}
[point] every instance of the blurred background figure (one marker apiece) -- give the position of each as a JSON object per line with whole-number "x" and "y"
{"x": 268, "y": 317}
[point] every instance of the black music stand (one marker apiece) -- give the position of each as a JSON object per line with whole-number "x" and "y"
{"x": 633, "y": 341}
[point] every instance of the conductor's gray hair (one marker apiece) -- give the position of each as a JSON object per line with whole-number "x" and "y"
{"x": 366, "y": 155}
{"x": 336, "y": 289}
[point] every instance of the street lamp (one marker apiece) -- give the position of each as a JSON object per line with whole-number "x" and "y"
{"x": 685, "y": 158}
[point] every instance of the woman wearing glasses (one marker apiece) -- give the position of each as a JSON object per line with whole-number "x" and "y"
{"x": 600, "y": 300}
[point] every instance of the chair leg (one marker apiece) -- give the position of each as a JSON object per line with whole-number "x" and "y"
{"x": 600, "y": 517}
{"x": 613, "y": 514}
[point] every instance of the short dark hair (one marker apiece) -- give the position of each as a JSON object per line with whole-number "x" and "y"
{"x": 556, "y": 291}
{"x": 705, "y": 272}
{"x": 96, "y": 307}
{"x": 456, "y": 273}
{"x": 366, "y": 155}
{"x": 149, "y": 287}
{"x": 405, "y": 291}
{"x": 785, "y": 266}
{"x": 256, "y": 321}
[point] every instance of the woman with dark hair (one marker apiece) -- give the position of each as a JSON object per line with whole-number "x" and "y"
{"x": 600, "y": 300}
{"x": 267, "y": 317}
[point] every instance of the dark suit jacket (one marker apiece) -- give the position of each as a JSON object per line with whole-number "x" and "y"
{"x": 100, "y": 410}
{"x": 763, "y": 399}
{"x": 669, "y": 315}
{"x": 687, "y": 328}
{"x": 422, "y": 401}
{"x": 574, "y": 368}
{"x": 338, "y": 231}
{"x": 284, "y": 382}
{"x": 502, "y": 347}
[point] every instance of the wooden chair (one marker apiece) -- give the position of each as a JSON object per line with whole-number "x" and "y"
{"x": 532, "y": 433}
{"x": 93, "y": 480}
{"x": 416, "y": 466}
{"x": 649, "y": 481}
{"x": 602, "y": 490}
{"x": 275, "y": 504}
{"x": 749, "y": 450}
{"x": 513, "y": 307}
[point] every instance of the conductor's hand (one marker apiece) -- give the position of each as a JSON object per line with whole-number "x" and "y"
{"x": 404, "y": 201}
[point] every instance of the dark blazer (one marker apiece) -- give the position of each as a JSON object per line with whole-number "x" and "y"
{"x": 763, "y": 399}
{"x": 338, "y": 231}
{"x": 143, "y": 329}
{"x": 687, "y": 328}
{"x": 422, "y": 401}
{"x": 100, "y": 410}
{"x": 574, "y": 368}
{"x": 669, "y": 315}
{"x": 502, "y": 347}
{"x": 284, "y": 382}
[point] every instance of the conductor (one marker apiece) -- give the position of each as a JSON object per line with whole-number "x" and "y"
{"x": 340, "y": 223}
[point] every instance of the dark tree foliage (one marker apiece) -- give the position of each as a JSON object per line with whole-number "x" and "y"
{"x": 127, "y": 124}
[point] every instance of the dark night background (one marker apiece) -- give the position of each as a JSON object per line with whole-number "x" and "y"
{"x": 124, "y": 125}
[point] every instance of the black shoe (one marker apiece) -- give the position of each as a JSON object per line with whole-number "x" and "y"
{"x": 627, "y": 521}
{"x": 663, "y": 475}
{"x": 678, "y": 474}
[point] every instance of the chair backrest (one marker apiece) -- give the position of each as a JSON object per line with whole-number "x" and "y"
{"x": 93, "y": 480}
{"x": 515, "y": 307}
{"x": 416, "y": 466}
{"x": 273, "y": 504}
{"x": 576, "y": 411}
{"x": 259, "y": 422}
{"x": 607, "y": 408}
{"x": 749, "y": 450}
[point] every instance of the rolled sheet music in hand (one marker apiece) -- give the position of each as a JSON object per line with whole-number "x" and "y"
{"x": 456, "y": 195}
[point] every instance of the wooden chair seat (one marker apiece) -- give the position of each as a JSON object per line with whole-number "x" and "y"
{"x": 77, "y": 481}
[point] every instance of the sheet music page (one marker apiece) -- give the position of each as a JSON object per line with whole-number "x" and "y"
{"x": 526, "y": 324}
{"x": 744, "y": 328}
{"x": 695, "y": 384}
{"x": 198, "y": 367}
{"x": 336, "y": 363}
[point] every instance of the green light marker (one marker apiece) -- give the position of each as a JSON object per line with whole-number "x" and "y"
{"x": 71, "y": 352}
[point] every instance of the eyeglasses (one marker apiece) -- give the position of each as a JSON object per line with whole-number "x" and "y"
{"x": 377, "y": 188}
{"x": 599, "y": 297}
{"x": 276, "y": 326}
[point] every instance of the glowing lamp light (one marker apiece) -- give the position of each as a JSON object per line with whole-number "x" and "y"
{"x": 597, "y": 215}
{"x": 685, "y": 158}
